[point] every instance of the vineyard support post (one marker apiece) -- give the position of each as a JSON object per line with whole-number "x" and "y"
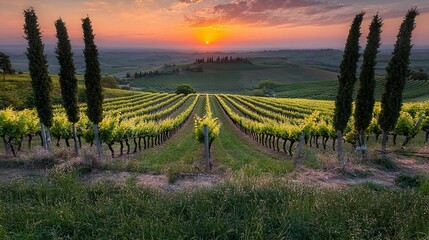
{"x": 48, "y": 138}
{"x": 76, "y": 147}
{"x": 206, "y": 146}
{"x": 299, "y": 148}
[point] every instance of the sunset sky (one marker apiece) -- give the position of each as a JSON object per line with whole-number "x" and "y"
{"x": 212, "y": 24}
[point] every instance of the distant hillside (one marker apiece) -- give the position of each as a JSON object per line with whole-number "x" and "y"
{"x": 415, "y": 90}
{"x": 235, "y": 78}
{"x": 16, "y": 90}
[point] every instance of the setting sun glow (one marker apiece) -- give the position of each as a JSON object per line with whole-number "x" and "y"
{"x": 207, "y": 42}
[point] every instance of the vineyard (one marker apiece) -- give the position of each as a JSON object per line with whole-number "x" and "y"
{"x": 145, "y": 120}
{"x": 140, "y": 121}
{"x": 153, "y": 140}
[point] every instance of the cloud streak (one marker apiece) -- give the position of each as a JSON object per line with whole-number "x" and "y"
{"x": 263, "y": 12}
{"x": 290, "y": 12}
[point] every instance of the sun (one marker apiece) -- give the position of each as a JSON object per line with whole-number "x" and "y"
{"x": 207, "y": 42}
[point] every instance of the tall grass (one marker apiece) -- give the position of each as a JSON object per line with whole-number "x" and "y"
{"x": 61, "y": 207}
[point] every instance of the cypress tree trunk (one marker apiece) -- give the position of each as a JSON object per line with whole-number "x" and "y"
{"x": 43, "y": 135}
{"x": 76, "y": 147}
{"x": 383, "y": 142}
{"x": 362, "y": 141}
{"x": 340, "y": 147}
{"x": 48, "y": 138}
{"x": 97, "y": 141}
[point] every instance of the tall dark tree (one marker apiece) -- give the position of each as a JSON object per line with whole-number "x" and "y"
{"x": 94, "y": 94}
{"x": 397, "y": 71}
{"x": 365, "y": 96}
{"x": 5, "y": 64}
{"x": 68, "y": 81}
{"x": 347, "y": 80}
{"x": 40, "y": 80}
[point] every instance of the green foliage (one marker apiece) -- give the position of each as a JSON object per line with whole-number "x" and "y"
{"x": 365, "y": 96}
{"x": 38, "y": 66}
{"x": 94, "y": 94}
{"x": 397, "y": 70}
{"x": 184, "y": 89}
{"x": 267, "y": 84}
{"x": 258, "y": 93}
{"x": 5, "y": 64}
{"x": 68, "y": 80}
{"x": 108, "y": 82}
{"x": 347, "y": 77}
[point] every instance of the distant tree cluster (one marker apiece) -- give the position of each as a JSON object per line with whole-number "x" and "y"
{"x": 419, "y": 75}
{"x": 141, "y": 74}
{"x": 225, "y": 59}
{"x": 5, "y": 64}
{"x": 149, "y": 74}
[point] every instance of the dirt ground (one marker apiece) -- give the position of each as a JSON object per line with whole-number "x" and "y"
{"x": 333, "y": 175}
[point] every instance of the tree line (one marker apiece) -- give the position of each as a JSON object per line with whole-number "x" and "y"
{"x": 397, "y": 71}
{"x": 42, "y": 83}
{"x": 225, "y": 59}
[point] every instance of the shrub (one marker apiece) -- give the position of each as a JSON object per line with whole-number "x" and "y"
{"x": 184, "y": 89}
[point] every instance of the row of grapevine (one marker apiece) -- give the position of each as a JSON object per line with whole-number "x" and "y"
{"x": 263, "y": 130}
{"x": 208, "y": 119}
{"x": 153, "y": 127}
{"x": 267, "y": 124}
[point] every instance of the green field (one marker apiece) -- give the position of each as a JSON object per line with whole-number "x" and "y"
{"x": 293, "y": 80}
{"x": 234, "y": 78}
{"x": 415, "y": 90}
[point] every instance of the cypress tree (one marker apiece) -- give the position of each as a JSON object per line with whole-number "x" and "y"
{"x": 365, "y": 96}
{"x": 40, "y": 80}
{"x": 68, "y": 81}
{"x": 397, "y": 70}
{"x": 92, "y": 80}
{"x": 347, "y": 80}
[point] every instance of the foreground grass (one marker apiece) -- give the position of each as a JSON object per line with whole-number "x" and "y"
{"x": 61, "y": 207}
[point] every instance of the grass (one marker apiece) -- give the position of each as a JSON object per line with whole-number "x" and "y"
{"x": 61, "y": 207}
